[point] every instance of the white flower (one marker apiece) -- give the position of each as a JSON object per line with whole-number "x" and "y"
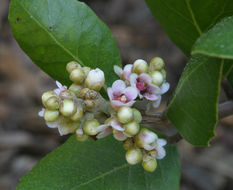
{"x": 95, "y": 79}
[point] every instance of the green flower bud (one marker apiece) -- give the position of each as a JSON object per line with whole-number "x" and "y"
{"x": 157, "y": 78}
{"x": 51, "y": 115}
{"x": 86, "y": 70}
{"x": 78, "y": 114}
{"x": 131, "y": 128}
{"x": 133, "y": 156}
{"x": 68, "y": 107}
{"x": 128, "y": 143}
{"x": 140, "y": 66}
{"x": 91, "y": 94}
{"x": 52, "y": 103}
{"x": 149, "y": 163}
{"x": 164, "y": 74}
{"x": 67, "y": 94}
{"x": 153, "y": 153}
{"x": 137, "y": 116}
{"x": 71, "y": 66}
{"x": 125, "y": 114}
{"x": 90, "y": 127}
{"x": 156, "y": 64}
{"x": 83, "y": 93}
{"x": 95, "y": 79}
{"x": 67, "y": 126}
{"x": 46, "y": 96}
{"x": 76, "y": 89}
{"x": 77, "y": 76}
{"x": 81, "y": 138}
{"x": 90, "y": 104}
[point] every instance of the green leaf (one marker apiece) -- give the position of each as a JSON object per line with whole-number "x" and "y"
{"x": 54, "y": 32}
{"x": 194, "y": 106}
{"x": 218, "y": 41}
{"x": 230, "y": 77}
{"x": 185, "y": 20}
{"x": 99, "y": 165}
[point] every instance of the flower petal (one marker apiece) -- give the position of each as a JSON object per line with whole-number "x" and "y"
{"x": 116, "y": 125}
{"x": 104, "y": 133}
{"x": 60, "y": 86}
{"x": 57, "y": 91}
{"x": 102, "y": 127}
{"x": 161, "y": 142}
{"x": 145, "y": 78}
{"x": 133, "y": 79}
{"x": 41, "y": 112}
{"x": 161, "y": 153}
{"x": 120, "y": 136}
{"x": 118, "y": 87}
{"x": 164, "y": 88}
{"x": 131, "y": 93}
{"x": 118, "y": 104}
{"x": 157, "y": 102}
{"x": 151, "y": 97}
{"x": 153, "y": 89}
{"x": 127, "y": 71}
{"x": 52, "y": 124}
{"x": 110, "y": 93}
{"x": 118, "y": 70}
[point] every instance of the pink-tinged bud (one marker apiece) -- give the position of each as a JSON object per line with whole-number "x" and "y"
{"x": 95, "y": 79}
{"x": 68, "y": 107}
{"x": 133, "y": 156}
{"x": 149, "y": 163}
{"x": 137, "y": 116}
{"x": 47, "y": 95}
{"x": 131, "y": 128}
{"x": 72, "y": 65}
{"x": 157, "y": 78}
{"x": 140, "y": 66}
{"x": 75, "y": 88}
{"x": 128, "y": 143}
{"x": 90, "y": 127}
{"x": 125, "y": 114}
{"x": 52, "y": 103}
{"x": 77, "y": 76}
{"x": 156, "y": 64}
{"x": 51, "y": 115}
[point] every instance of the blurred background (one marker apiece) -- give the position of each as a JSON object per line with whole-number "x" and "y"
{"x": 24, "y": 138}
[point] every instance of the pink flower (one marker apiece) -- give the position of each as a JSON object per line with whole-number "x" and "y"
{"x": 108, "y": 128}
{"x": 120, "y": 95}
{"x": 125, "y": 73}
{"x": 147, "y": 89}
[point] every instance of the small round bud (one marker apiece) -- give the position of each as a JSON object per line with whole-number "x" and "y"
{"x": 78, "y": 114}
{"x": 89, "y": 104}
{"x": 95, "y": 79}
{"x": 52, "y": 103}
{"x": 66, "y": 94}
{"x": 140, "y": 66}
{"x": 133, "y": 156}
{"x": 77, "y": 76}
{"x": 157, "y": 78}
{"x": 125, "y": 114}
{"x": 81, "y": 138}
{"x": 149, "y": 163}
{"x": 164, "y": 74}
{"x": 137, "y": 116}
{"x": 51, "y": 115}
{"x": 91, "y": 94}
{"x": 75, "y": 88}
{"x": 68, "y": 107}
{"x": 90, "y": 127}
{"x": 156, "y": 64}
{"x": 131, "y": 128}
{"x": 86, "y": 70}
{"x": 153, "y": 153}
{"x": 71, "y": 66}
{"x": 83, "y": 92}
{"x": 47, "y": 95}
{"x": 128, "y": 143}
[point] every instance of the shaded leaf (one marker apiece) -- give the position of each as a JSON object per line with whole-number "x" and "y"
{"x": 99, "y": 165}
{"x": 54, "y": 32}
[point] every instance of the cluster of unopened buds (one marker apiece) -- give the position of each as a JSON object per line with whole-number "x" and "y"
{"x": 81, "y": 109}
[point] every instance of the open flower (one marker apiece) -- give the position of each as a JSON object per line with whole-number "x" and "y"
{"x": 125, "y": 73}
{"x": 161, "y": 153}
{"x": 120, "y": 95}
{"x": 147, "y": 89}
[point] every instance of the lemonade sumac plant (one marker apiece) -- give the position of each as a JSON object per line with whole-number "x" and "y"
{"x": 96, "y": 99}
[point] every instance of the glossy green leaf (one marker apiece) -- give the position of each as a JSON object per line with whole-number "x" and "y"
{"x": 54, "y": 32}
{"x": 99, "y": 165}
{"x": 185, "y": 20}
{"x": 193, "y": 107}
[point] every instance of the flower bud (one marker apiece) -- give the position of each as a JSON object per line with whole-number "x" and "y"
{"x": 128, "y": 143}
{"x": 71, "y": 66}
{"x": 91, "y": 94}
{"x": 67, "y": 94}
{"x": 153, "y": 153}
{"x": 133, "y": 156}
{"x": 131, "y": 128}
{"x": 156, "y": 64}
{"x": 89, "y": 104}
{"x": 140, "y": 66}
{"x": 90, "y": 127}
{"x": 137, "y": 116}
{"x": 157, "y": 78}
{"x": 149, "y": 163}
{"x": 83, "y": 92}
{"x": 86, "y": 70}
{"x": 51, "y": 115}
{"x": 67, "y": 126}
{"x": 52, "y": 103}
{"x": 95, "y": 79}
{"x": 78, "y": 114}
{"x": 164, "y": 74}
{"x": 75, "y": 88}
{"x": 81, "y": 138}
{"x": 125, "y": 114}
{"x": 68, "y": 107}
{"x": 47, "y": 95}
{"x": 77, "y": 76}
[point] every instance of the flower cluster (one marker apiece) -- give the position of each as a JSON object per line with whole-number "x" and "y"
{"x": 81, "y": 109}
